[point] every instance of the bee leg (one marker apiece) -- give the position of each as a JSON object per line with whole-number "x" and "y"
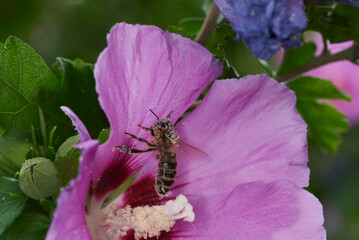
{"x": 140, "y": 139}
{"x": 147, "y": 129}
{"x": 124, "y": 148}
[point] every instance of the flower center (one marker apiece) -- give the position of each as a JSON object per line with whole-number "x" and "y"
{"x": 147, "y": 221}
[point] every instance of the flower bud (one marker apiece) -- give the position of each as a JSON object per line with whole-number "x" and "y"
{"x": 38, "y": 178}
{"x": 67, "y": 146}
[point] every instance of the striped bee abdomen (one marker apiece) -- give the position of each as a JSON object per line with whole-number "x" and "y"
{"x": 166, "y": 172}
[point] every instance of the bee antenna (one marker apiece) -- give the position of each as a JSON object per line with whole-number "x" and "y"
{"x": 169, "y": 115}
{"x": 154, "y": 114}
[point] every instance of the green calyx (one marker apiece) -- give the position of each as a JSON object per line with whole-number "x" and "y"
{"x": 38, "y": 178}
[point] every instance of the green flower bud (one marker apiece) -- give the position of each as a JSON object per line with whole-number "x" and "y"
{"x": 67, "y": 146}
{"x": 38, "y": 178}
{"x": 67, "y": 160}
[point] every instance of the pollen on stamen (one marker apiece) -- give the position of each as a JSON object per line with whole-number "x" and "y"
{"x": 147, "y": 221}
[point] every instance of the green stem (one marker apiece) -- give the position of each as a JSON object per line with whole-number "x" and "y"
{"x": 34, "y": 142}
{"x": 43, "y": 128}
{"x": 208, "y": 25}
{"x": 348, "y": 54}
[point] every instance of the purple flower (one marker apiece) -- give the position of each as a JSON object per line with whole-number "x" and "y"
{"x": 243, "y": 175}
{"x": 265, "y": 25}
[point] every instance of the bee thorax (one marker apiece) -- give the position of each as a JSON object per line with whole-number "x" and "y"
{"x": 172, "y": 136}
{"x": 165, "y": 135}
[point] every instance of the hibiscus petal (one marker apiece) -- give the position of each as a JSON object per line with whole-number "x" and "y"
{"x": 251, "y": 130}
{"x": 69, "y": 218}
{"x": 268, "y": 211}
{"x": 80, "y": 127}
{"x": 344, "y": 74}
{"x": 144, "y": 68}
{"x": 273, "y": 211}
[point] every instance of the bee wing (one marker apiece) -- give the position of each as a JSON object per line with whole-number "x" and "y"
{"x": 192, "y": 152}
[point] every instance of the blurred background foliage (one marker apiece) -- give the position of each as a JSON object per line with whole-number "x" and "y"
{"x": 77, "y": 29}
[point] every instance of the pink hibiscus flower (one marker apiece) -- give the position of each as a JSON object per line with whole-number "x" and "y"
{"x": 344, "y": 74}
{"x": 244, "y": 181}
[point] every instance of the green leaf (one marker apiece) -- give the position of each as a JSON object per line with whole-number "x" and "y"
{"x": 104, "y": 135}
{"x": 47, "y": 204}
{"x": 29, "y": 88}
{"x": 294, "y": 58}
{"x": 178, "y": 30}
{"x": 12, "y": 154}
{"x": 34, "y": 140}
{"x": 43, "y": 127}
{"x": 325, "y": 122}
{"x": 50, "y": 150}
{"x": 30, "y": 225}
{"x": 219, "y": 43}
{"x": 221, "y": 40}
{"x": 337, "y": 23}
{"x": 191, "y": 25}
{"x": 228, "y": 71}
{"x": 78, "y": 93}
{"x": 25, "y": 84}
{"x": 4, "y": 172}
{"x": 51, "y": 136}
{"x": 67, "y": 160}
{"x": 50, "y": 153}
{"x": 311, "y": 87}
{"x": 1, "y": 49}
{"x": 55, "y": 194}
{"x": 32, "y": 153}
{"x": 12, "y": 202}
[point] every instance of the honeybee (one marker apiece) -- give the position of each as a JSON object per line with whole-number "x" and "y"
{"x": 164, "y": 140}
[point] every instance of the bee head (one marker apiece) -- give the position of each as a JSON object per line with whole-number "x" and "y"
{"x": 162, "y": 124}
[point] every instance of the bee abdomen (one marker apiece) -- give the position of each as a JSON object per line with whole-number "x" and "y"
{"x": 163, "y": 187}
{"x": 166, "y": 173}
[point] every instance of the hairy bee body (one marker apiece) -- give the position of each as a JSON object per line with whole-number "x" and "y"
{"x": 164, "y": 139}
